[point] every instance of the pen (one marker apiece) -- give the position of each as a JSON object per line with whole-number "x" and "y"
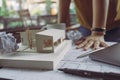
{"x": 92, "y": 74}
{"x": 87, "y": 53}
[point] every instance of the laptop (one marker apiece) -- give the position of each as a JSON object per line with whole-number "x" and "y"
{"x": 109, "y": 55}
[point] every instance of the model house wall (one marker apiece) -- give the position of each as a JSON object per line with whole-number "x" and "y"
{"x": 24, "y": 37}
{"x": 49, "y": 40}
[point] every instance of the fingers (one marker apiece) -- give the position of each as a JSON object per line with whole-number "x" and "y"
{"x": 103, "y": 44}
{"x": 85, "y": 45}
{"x": 96, "y": 45}
{"x": 88, "y": 45}
{"x": 79, "y": 41}
{"x": 82, "y": 44}
{"x": 91, "y": 41}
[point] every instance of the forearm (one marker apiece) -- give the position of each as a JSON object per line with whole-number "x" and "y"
{"x": 63, "y": 14}
{"x": 100, "y": 11}
{"x": 96, "y": 39}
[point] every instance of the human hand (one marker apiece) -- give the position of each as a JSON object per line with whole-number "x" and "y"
{"x": 94, "y": 41}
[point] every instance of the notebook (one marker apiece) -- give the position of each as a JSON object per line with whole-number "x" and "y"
{"x": 109, "y": 55}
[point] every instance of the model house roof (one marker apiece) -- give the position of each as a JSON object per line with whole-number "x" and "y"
{"x": 55, "y": 33}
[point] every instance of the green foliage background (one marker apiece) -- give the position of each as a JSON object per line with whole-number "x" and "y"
{"x": 4, "y": 11}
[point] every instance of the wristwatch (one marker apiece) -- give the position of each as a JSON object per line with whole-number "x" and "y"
{"x": 99, "y": 31}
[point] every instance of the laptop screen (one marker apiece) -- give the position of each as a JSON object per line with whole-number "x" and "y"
{"x": 109, "y": 55}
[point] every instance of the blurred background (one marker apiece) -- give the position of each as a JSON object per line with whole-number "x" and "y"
{"x": 16, "y": 15}
{"x": 41, "y": 12}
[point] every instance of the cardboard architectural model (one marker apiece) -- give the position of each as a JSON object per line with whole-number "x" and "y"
{"x": 48, "y": 41}
{"x": 34, "y": 60}
{"x": 51, "y": 41}
{"x": 24, "y": 37}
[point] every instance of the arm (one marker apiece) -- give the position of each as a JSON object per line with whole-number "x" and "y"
{"x": 96, "y": 39}
{"x": 63, "y": 15}
{"x": 100, "y": 11}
